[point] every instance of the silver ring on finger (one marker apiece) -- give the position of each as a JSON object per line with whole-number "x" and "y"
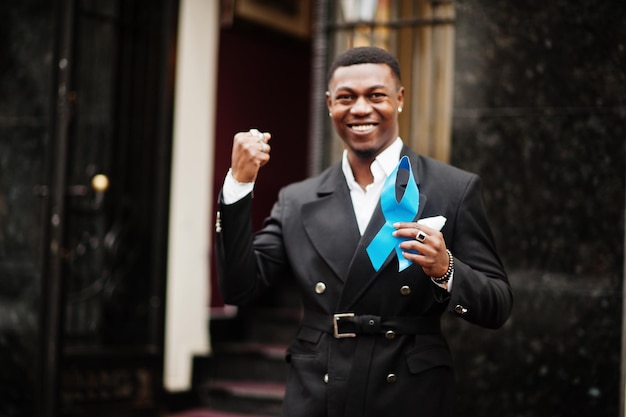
{"x": 420, "y": 236}
{"x": 258, "y": 134}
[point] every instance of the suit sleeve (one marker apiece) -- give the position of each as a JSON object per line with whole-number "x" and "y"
{"x": 481, "y": 293}
{"x": 247, "y": 262}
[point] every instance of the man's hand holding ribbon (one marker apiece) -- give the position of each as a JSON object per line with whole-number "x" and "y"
{"x": 429, "y": 253}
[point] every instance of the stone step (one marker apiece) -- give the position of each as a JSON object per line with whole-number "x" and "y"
{"x": 208, "y": 412}
{"x": 242, "y": 361}
{"x": 244, "y": 396}
{"x": 248, "y": 389}
{"x": 272, "y": 351}
{"x": 246, "y": 370}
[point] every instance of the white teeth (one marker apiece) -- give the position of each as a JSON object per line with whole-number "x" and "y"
{"x": 362, "y": 128}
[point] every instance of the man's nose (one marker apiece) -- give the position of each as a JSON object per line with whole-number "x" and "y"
{"x": 361, "y": 106}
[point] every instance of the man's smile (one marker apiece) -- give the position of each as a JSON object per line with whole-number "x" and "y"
{"x": 362, "y": 128}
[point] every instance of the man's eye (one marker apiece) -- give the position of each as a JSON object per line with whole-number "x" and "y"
{"x": 343, "y": 97}
{"x": 378, "y": 96}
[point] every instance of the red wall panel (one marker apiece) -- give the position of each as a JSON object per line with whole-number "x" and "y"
{"x": 264, "y": 83}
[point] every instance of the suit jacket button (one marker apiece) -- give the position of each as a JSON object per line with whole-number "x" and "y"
{"x": 391, "y": 378}
{"x": 390, "y": 334}
{"x": 405, "y": 290}
{"x": 326, "y": 378}
{"x": 459, "y": 309}
{"x": 320, "y": 287}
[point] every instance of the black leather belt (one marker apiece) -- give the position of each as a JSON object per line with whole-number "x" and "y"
{"x": 342, "y": 325}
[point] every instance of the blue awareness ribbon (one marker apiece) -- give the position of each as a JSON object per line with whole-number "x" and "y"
{"x": 394, "y": 211}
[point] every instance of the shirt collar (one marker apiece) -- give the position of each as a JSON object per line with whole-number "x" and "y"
{"x": 385, "y": 161}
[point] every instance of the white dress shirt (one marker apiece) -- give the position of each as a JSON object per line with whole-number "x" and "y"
{"x": 365, "y": 200}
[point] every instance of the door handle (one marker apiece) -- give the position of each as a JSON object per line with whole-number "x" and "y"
{"x": 90, "y": 197}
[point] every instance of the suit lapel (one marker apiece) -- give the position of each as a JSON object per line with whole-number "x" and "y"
{"x": 330, "y": 223}
{"x": 361, "y": 274}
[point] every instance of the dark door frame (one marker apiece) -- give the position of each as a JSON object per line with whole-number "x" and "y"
{"x": 158, "y": 23}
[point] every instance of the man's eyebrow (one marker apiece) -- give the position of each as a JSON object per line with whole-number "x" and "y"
{"x": 350, "y": 89}
{"x": 343, "y": 88}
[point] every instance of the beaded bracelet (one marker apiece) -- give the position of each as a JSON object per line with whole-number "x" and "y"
{"x": 446, "y": 277}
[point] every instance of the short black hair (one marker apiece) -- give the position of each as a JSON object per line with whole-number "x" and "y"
{"x": 364, "y": 55}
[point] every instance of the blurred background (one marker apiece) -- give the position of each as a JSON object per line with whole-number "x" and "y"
{"x": 116, "y": 122}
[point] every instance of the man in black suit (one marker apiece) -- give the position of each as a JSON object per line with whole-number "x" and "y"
{"x": 379, "y": 249}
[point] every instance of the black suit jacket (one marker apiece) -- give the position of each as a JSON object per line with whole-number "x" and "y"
{"x": 312, "y": 238}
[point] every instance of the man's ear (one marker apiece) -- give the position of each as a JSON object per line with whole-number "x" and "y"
{"x": 329, "y": 101}
{"x": 400, "y": 97}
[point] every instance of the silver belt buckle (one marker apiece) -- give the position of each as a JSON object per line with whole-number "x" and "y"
{"x": 336, "y": 318}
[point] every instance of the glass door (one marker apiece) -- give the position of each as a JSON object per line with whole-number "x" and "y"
{"x": 85, "y": 139}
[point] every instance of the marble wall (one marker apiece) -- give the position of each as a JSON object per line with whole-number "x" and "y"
{"x": 26, "y": 51}
{"x": 540, "y": 114}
